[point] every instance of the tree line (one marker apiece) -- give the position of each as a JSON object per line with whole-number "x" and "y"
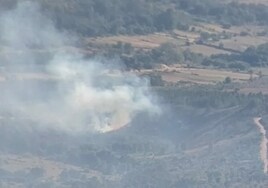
{"x": 101, "y": 17}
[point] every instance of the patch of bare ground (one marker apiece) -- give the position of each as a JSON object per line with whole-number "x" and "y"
{"x": 263, "y": 144}
{"x": 139, "y": 41}
{"x": 147, "y": 41}
{"x": 256, "y": 85}
{"x": 241, "y": 43}
{"x": 198, "y": 75}
{"x": 263, "y": 90}
{"x": 187, "y": 39}
{"x": 52, "y": 169}
{"x": 253, "y": 30}
{"x": 170, "y": 74}
{"x": 241, "y": 38}
{"x": 210, "y": 28}
{"x": 205, "y": 50}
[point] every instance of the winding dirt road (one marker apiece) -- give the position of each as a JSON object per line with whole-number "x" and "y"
{"x": 263, "y": 144}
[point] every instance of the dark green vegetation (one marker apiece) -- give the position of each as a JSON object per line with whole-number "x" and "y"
{"x": 98, "y": 17}
{"x": 102, "y": 17}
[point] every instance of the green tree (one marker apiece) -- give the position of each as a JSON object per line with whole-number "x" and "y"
{"x": 227, "y": 80}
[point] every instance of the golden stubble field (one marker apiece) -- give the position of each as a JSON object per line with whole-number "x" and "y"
{"x": 175, "y": 74}
{"x": 188, "y": 39}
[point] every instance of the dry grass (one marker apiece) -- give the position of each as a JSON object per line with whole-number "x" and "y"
{"x": 198, "y": 75}
{"x": 140, "y": 41}
{"x": 263, "y": 70}
{"x": 241, "y": 43}
{"x": 150, "y": 41}
{"x": 185, "y": 36}
{"x": 210, "y": 28}
{"x": 205, "y": 50}
{"x": 252, "y": 29}
{"x": 147, "y": 41}
{"x": 263, "y": 90}
{"x": 52, "y": 169}
{"x": 170, "y": 74}
{"x": 204, "y": 76}
{"x": 215, "y": 28}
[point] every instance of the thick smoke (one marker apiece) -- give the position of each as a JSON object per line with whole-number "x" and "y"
{"x": 25, "y": 33}
{"x": 83, "y": 95}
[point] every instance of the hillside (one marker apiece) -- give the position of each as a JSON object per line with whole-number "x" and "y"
{"x": 127, "y": 93}
{"x": 170, "y": 148}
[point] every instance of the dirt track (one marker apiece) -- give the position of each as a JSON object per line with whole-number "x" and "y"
{"x": 263, "y": 144}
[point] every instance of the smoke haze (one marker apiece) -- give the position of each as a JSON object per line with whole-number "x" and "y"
{"x": 83, "y": 95}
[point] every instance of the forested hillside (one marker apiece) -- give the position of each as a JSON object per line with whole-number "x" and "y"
{"x": 101, "y": 17}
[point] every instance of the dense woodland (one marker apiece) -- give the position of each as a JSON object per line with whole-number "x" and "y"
{"x": 93, "y": 17}
{"x": 102, "y": 17}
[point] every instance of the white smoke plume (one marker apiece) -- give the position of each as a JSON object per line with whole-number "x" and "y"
{"x": 88, "y": 95}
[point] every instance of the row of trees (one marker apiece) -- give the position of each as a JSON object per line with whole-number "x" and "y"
{"x": 167, "y": 53}
{"x": 251, "y": 57}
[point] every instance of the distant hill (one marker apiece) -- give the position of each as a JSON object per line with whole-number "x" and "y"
{"x": 101, "y": 17}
